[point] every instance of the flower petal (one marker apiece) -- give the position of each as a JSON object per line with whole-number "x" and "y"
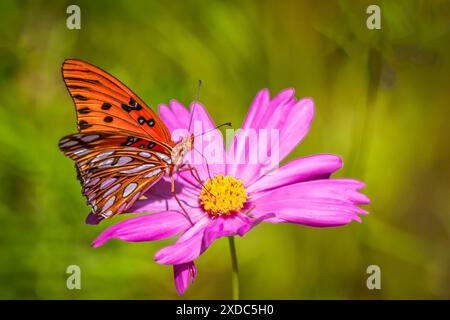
{"x": 299, "y": 117}
{"x": 283, "y": 115}
{"x": 187, "y": 248}
{"x": 197, "y": 239}
{"x": 183, "y": 275}
{"x": 161, "y": 198}
{"x": 239, "y": 149}
{"x": 319, "y": 203}
{"x": 208, "y": 145}
{"x": 258, "y": 108}
{"x": 175, "y": 116}
{"x": 224, "y": 226}
{"x": 314, "y": 167}
{"x": 147, "y": 227}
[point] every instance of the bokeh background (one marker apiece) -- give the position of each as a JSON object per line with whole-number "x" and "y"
{"x": 382, "y": 103}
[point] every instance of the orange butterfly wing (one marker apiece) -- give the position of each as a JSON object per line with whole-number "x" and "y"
{"x": 103, "y": 103}
{"x": 118, "y": 128}
{"x": 112, "y": 178}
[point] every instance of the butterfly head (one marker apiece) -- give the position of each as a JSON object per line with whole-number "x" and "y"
{"x": 181, "y": 149}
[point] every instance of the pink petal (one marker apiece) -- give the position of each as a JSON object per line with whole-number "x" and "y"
{"x": 175, "y": 116}
{"x": 314, "y": 167}
{"x": 197, "y": 239}
{"x": 284, "y": 113}
{"x": 319, "y": 203}
{"x": 299, "y": 117}
{"x": 183, "y": 275}
{"x": 187, "y": 248}
{"x": 161, "y": 198}
{"x": 147, "y": 227}
{"x": 224, "y": 226}
{"x": 207, "y": 141}
{"x": 260, "y": 109}
{"x": 206, "y": 144}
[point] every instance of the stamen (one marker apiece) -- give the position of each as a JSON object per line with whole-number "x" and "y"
{"x": 223, "y": 195}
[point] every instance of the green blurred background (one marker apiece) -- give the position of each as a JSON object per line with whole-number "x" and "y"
{"x": 382, "y": 103}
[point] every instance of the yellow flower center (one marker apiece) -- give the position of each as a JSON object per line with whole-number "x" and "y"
{"x": 223, "y": 195}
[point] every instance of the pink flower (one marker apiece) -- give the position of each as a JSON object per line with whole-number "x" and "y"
{"x": 239, "y": 196}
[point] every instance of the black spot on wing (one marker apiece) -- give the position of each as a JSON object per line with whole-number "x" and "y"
{"x": 106, "y": 106}
{"x": 127, "y": 108}
{"x": 84, "y": 110}
{"x": 80, "y": 97}
{"x": 83, "y": 124}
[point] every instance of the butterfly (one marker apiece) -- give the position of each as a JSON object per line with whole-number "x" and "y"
{"x": 122, "y": 147}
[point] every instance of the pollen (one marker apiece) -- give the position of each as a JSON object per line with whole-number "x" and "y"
{"x": 223, "y": 195}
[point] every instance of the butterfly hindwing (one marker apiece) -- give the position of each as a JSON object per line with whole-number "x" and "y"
{"x": 109, "y": 195}
{"x": 113, "y": 178}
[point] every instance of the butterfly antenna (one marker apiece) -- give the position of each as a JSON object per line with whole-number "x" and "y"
{"x": 195, "y": 103}
{"x": 228, "y": 124}
{"x": 206, "y": 161}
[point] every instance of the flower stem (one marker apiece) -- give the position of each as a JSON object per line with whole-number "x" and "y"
{"x": 235, "y": 271}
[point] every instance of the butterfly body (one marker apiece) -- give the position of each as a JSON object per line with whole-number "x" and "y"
{"x": 122, "y": 147}
{"x": 180, "y": 150}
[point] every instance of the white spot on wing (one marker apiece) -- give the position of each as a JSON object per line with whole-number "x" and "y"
{"x": 69, "y": 144}
{"x": 107, "y": 214}
{"x": 134, "y": 199}
{"x": 145, "y": 154}
{"x": 81, "y": 151}
{"x": 164, "y": 157}
{"x": 102, "y": 155}
{"x": 123, "y": 160}
{"x": 90, "y": 138}
{"x": 109, "y": 203}
{"x": 122, "y": 207}
{"x": 94, "y": 181}
{"x": 106, "y": 163}
{"x": 111, "y": 190}
{"x": 107, "y": 183}
{"x": 129, "y": 189}
{"x": 153, "y": 173}
{"x": 138, "y": 169}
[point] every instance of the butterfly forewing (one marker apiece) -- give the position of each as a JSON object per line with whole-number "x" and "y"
{"x": 103, "y": 103}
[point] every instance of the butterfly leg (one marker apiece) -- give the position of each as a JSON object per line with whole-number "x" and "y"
{"x": 186, "y": 214}
{"x": 195, "y": 175}
{"x": 206, "y": 162}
